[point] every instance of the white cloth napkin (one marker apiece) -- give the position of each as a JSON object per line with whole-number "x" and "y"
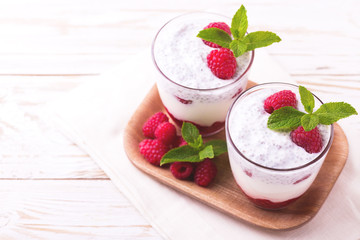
{"x": 95, "y": 114}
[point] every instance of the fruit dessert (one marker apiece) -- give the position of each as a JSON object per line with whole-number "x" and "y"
{"x": 277, "y": 142}
{"x": 188, "y": 156}
{"x": 203, "y": 65}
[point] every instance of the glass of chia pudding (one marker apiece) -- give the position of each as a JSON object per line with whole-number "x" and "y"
{"x": 188, "y": 89}
{"x": 268, "y": 166}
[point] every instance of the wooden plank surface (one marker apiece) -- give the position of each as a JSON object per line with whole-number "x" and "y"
{"x": 50, "y": 188}
{"x": 49, "y": 209}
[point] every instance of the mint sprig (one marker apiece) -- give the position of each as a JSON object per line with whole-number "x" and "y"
{"x": 195, "y": 150}
{"x": 285, "y": 119}
{"x": 289, "y": 118}
{"x": 191, "y": 135}
{"x": 241, "y": 43}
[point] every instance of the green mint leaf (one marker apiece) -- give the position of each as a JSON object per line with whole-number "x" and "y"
{"x": 191, "y": 135}
{"x": 219, "y": 146}
{"x": 260, "y": 39}
{"x": 285, "y": 119}
{"x": 329, "y": 113}
{"x": 196, "y": 150}
{"x": 238, "y": 47}
{"x": 207, "y": 152}
{"x": 198, "y": 143}
{"x": 239, "y": 23}
{"x": 309, "y": 121}
{"x": 239, "y": 26}
{"x": 181, "y": 154}
{"x": 216, "y": 35}
{"x": 307, "y": 99}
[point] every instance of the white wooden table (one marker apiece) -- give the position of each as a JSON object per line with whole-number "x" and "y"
{"x": 49, "y": 188}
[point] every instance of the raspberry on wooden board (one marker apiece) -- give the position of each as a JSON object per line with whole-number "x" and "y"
{"x": 166, "y": 133}
{"x": 182, "y": 170}
{"x": 153, "y": 150}
{"x": 151, "y": 124}
{"x": 205, "y": 172}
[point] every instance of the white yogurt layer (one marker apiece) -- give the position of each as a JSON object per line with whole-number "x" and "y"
{"x": 258, "y": 187}
{"x": 247, "y": 125}
{"x": 204, "y": 113}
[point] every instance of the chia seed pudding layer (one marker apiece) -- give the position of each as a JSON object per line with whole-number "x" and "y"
{"x": 274, "y": 149}
{"x": 181, "y": 56}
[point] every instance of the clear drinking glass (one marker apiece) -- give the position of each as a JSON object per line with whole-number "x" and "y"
{"x": 182, "y": 96}
{"x": 267, "y": 186}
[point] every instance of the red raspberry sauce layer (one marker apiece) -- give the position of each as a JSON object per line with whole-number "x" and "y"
{"x": 267, "y": 204}
{"x": 204, "y": 131}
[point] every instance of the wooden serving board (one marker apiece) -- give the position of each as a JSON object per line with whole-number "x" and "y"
{"x": 224, "y": 194}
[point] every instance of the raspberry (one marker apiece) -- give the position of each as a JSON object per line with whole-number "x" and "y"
{"x": 222, "y": 63}
{"x": 220, "y": 25}
{"x": 181, "y": 141}
{"x": 166, "y": 133}
{"x": 182, "y": 170}
{"x": 311, "y": 141}
{"x": 205, "y": 173}
{"x": 279, "y": 100}
{"x": 151, "y": 124}
{"x": 153, "y": 150}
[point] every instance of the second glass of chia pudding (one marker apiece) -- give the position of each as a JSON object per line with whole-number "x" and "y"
{"x": 268, "y": 166}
